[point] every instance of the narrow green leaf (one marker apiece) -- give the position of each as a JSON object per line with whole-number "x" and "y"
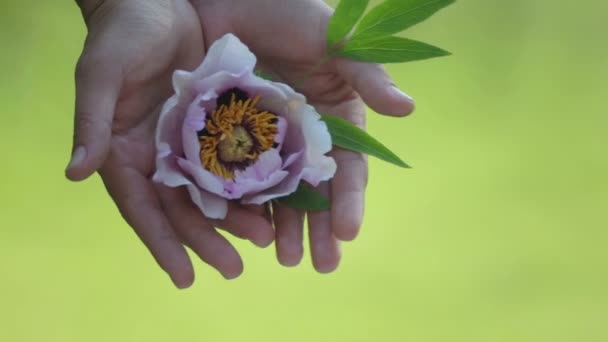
{"x": 347, "y": 13}
{"x": 305, "y": 198}
{"x": 262, "y": 74}
{"x": 389, "y": 50}
{"x": 346, "y": 135}
{"x": 393, "y": 16}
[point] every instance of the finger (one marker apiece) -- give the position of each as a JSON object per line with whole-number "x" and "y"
{"x": 98, "y": 83}
{"x": 375, "y": 87}
{"x": 289, "y": 226}
{"x": 348, "y": 193}
{"x": 199, "y": 234}
{"x": 247, "y": 224}
{"x": 256, "y": 209}
{"x": 263, "y": 210}
{"x": 139, "y": 204}
{"x": 324, "y": 247}
{"x": 283, "y": 22}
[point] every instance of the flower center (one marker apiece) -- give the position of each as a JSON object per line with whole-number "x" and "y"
{"x": 236, "y": 147}
{"x": 236, "y": 134}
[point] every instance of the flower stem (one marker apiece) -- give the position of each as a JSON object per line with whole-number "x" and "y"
{"x": 314, "y": 69}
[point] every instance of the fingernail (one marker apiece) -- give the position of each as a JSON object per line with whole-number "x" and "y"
{"x": 79, "y": 155}
{"x": 399, "y": 93}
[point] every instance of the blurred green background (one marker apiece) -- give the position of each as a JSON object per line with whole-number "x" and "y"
{"x": 499, "y": 233}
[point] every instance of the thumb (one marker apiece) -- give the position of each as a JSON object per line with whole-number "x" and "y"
{"x": 97, "y": 87}
{"x": 375, "y": 87}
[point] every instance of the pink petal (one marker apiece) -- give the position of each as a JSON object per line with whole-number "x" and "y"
{"x": 254, "y": 194}
{"x": 264, "y": 174}
{"x": 303, "y": 139}
{"x": 212, "y": 206}
{"x": 167, "y": 170}
{"x": 280, "y": 137}
{"x": 288, "y": 185}
{"x": 227, "y": 54}
{"x": 168, "y": 145}
{"x": 308, "y": 135}
{"x": 203, "y": 178}
{"x": 193, "y": 123}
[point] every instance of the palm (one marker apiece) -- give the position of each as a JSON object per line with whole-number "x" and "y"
{"x": 124, "y": 76}
{"x": 289, "y": 40}
{"x": 146, "y": 84}
{"x": 159, "y": 39}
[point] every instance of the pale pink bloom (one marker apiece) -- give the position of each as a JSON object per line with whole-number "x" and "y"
{"x": 293, "y": 151}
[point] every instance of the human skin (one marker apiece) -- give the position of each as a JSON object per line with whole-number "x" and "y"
{"x": 124, "y": 76}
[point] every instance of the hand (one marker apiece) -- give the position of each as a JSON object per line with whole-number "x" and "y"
{"x": 122, "y": 79}
{"x": 288, "y": 37}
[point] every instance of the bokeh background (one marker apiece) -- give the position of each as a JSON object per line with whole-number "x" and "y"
{"x": 499, "y": 233}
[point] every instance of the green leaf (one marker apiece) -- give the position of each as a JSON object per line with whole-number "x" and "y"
{"x": 389, "y": 50}
{"x": 261, "y": 74}
{"x": 346, "y": 135}
{"x": 347, "y": 13}
{"x": 393, "y": 16}
{"x": 305, "y": 198}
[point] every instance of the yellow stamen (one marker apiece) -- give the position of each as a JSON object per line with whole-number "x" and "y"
{"x": 236, "y": 135}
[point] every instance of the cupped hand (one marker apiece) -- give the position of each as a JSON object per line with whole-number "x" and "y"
{"x": 288, "y": 37}
{"x": 123, "y": 77}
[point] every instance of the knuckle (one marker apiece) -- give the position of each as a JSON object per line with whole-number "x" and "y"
{"x": 88, "y": 127}
{"x": 130, "y": 206}
{"x": 357, "y": 118}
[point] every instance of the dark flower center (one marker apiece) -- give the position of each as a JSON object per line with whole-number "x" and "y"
{"x": 236, "y": 134}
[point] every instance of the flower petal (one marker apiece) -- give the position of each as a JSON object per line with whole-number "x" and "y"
{"x": 265, "y": 173}
{"x": 168, "y": 145}
{"x": 203, "y": 178}
{"x": 193, "y": 123}
{"x": 227, "y": 54}
{"x": 253, "y": 194}
{"x": 302, "y": 140}
{"x": 212, "y": 206}
{"x": 288, "y": 185}
{"x": 307, "y": 143}
{"x": 169, "y": 125}
{"x": 167, "y": 170}
{"x": 318, "y": 167}
{"x": 282, "y": 128}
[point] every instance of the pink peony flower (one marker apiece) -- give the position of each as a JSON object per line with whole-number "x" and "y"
{"x": 227, "y": 134}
